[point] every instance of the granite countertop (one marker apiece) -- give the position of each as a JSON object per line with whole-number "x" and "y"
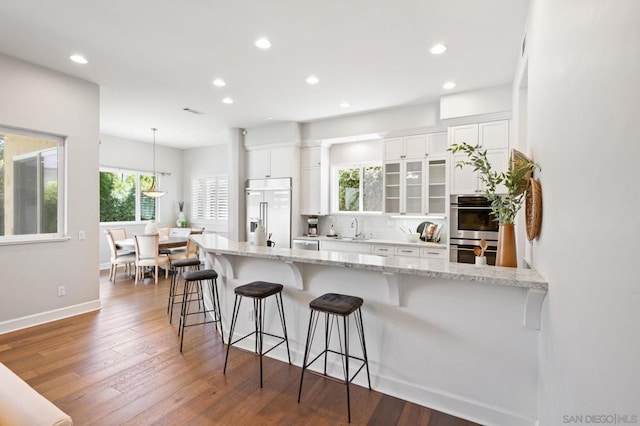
{"x": 440, "y": 245}
{"x": 514, "y": 277}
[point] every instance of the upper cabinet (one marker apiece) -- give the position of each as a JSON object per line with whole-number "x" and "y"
{"x": 415, "y": 146}
{"x": 314, "y": 181}
{"x": 492, "y": 136}
{"x": 414, "y": 174}
{"x": 270, "y": 163}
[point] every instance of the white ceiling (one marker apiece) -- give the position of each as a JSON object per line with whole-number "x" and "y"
{"x": 152, "y": 58}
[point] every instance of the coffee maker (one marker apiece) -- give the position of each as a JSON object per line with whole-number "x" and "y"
{"x": 312, "y": 223}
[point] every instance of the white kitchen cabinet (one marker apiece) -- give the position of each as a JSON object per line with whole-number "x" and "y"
{"x": 415, "y": 146}
{"x": 436, "y": 186}
{"x": 348, "y": 246}
{"x": 405, "y": 147}
{"x": 386, "y": 251}
{"x": 411, "y": 251}
{"x": 407, "y": 251}
{"x": 314, "y": 181}
{"x": 399, "y": 148}
{"x": 270, "y": 163}
{"x": 492, "y": 136}
{"x": 437, "y": 253}
{"x": 404, "y": 190}
{"x": 437, "y": 143}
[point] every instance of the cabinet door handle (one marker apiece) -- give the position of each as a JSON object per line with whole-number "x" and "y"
{"x": 432, "y": 252}
{"x": 406, "y": 251}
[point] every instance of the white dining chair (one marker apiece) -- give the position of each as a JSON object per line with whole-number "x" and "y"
{"x": 147, "y": 255}
{"x": 191, "y": 252}
{"x": 118, "y": 257}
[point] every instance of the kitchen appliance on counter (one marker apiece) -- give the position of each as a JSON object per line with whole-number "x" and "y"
{"x": 269, "y": 201}
{"x": 312, "y": 226}
{"x": 471, "y": 221}
{"x": 306, "y": 244}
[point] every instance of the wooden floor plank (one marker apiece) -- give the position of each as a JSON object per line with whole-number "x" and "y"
{"x": 122, "y": 365}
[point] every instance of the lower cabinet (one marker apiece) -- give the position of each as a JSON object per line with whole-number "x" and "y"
{"x": 387, "y": 250}
{"x": 347, "y": 246}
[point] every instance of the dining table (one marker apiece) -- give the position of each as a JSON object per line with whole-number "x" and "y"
{"x": 163, "y": 243}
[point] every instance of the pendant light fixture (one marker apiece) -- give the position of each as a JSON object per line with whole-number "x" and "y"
{"x": 154, "y": 192}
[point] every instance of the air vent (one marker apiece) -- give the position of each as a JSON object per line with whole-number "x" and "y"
{"x": 192, "y": 111}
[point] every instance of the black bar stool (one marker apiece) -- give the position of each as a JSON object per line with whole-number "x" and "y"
{"x": 337, "y": 305}
{"x": 193, "y": 286}
{"x": 179, "y": 267}
{"x": 258, "y": 291}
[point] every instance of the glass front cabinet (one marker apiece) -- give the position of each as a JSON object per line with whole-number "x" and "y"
{"x": 415, "y": 187}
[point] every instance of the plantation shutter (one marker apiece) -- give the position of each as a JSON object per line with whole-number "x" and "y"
{"x": 210, "y": 198}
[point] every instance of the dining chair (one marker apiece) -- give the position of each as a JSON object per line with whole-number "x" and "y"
{"x": 191, "y": 252}
{"x": 118, "y": 257}
{"x": 147, "y": 255}
{"x": 163, "y": 233}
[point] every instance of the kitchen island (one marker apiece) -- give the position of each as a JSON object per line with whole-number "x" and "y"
{"x": 445, "y": 335}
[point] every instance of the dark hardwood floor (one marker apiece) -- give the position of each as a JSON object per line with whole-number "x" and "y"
{"x": 122, "y": 365}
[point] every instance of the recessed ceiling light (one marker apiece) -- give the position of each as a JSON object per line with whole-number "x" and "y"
{"x": 269, "y": 118}
{"x": 263, "y": 43}
{"x": 227, "y": 100}
{"x": 438, "y": 49}
{"x": 449, "y": 85}
{"x": 345, "y": 104}
{"x": 79, "y": 59}
{"x": 312, "y": 79}
{"x": 219, "y": 82}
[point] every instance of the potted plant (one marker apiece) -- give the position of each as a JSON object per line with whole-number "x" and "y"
{"x": 504, "y": 207}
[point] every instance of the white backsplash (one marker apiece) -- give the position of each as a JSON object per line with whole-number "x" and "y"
{"x": 377, "y": 227}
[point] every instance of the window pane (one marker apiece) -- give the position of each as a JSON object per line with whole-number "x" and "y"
{"x": 372, "y": 189}
{"x": 147, "y": 204}
{"x": 117, "y": 197}
{"x": 28, "y": 183}
{"x": 349, "y": 190}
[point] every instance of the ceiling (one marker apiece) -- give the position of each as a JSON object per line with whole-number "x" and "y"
{"x": 152, "y": 58}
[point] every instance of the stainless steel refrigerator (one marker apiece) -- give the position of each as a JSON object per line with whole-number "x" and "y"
{"x": 269, "y": 200}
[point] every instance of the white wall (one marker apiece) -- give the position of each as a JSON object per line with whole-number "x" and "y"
{"x": 411, "y": 117}
{"x": 357, "y": 152}
{"x": 43, "y": 100}
{"x": 210, "y": 160}
{"x": 490, "y": 100}
{"x": 135, "y": 155}
{"x": 583, "y": 113}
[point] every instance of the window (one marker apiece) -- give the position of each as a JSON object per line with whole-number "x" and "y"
{"x": 358, "y": 188}
{"x": 210, "y": 198}
{"x": 121, "y": 198}
{"x": 31, "y": 185}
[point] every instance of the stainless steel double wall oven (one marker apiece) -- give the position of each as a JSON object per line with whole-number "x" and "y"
{"x": 471, "y": 221}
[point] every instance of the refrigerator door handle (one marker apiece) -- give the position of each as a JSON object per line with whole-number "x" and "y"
{"x": 264, "y": 209}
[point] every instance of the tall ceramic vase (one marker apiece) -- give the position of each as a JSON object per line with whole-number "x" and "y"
{"x": 507, "y": 255}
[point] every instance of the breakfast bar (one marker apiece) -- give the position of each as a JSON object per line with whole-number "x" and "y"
{"x": 438, "y": 333}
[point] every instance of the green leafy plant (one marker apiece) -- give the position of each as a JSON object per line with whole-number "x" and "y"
{"x": 504, "y": 207}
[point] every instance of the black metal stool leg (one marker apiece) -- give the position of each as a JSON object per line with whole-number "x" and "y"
{"x": 360, "y": 326}
{"x": 307, "y": 348}
{"x": 284, "y": 324}
{"x": 185, "y": 308}
{"x": 346, "y": 369}
{"x": 234, "y": 318}
{"x": 215, "y": 299}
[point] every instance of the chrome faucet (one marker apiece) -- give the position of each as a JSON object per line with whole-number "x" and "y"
{"x": 354, "y": 224}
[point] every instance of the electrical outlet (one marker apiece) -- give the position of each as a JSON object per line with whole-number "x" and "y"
{"x": 61, "y": 291}
{"x": 81, "y": 235}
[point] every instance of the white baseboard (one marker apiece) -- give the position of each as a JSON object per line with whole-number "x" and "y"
{"x": 45, "y": 317}
{"x": 436, "y": 399}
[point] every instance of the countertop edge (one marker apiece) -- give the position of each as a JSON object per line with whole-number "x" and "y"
{"x": 512, "y": 277}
